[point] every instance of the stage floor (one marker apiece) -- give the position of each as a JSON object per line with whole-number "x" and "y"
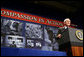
{"x": 6, "y": 51}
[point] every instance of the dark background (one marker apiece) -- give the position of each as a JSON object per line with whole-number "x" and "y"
{"x": 57, "y": 10}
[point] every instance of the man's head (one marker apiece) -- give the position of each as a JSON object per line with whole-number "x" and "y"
{"x": 67, "y": 22}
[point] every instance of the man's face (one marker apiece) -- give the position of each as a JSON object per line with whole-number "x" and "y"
{"x": 67, "y": 22}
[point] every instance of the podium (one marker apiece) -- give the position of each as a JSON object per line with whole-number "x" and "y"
{"x": 72, "y": 42}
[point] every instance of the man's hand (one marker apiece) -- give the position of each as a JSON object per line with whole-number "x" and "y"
{"x": 59, "y": 35}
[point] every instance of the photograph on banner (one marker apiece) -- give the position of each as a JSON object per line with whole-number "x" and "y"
{"x": 2, "y": 40}
{"x": 49, "y": 38}
{"x": 11, "y": 27}
{"x": 30, "y": 43}
{"x": 34, "y": 31}
{"x": 15, "y": 41}
{"x": 2, "y": 33}
{"x": 11, "y": 33}
{"x": 2, "y": 26}
{"x": 34, "y": 44}
{"x": 38, "y": 44}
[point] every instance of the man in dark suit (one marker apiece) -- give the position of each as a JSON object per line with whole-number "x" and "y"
{"x": 67, "y": 23}
{"x": 62, "y": 36}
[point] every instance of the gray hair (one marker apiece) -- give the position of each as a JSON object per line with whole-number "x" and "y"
{"x": 66, "y": 19}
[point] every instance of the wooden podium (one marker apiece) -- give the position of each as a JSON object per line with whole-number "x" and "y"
{"x": 72, "y": 42}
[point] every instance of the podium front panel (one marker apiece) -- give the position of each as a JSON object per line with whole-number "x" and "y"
{"x": 76, "y": 37}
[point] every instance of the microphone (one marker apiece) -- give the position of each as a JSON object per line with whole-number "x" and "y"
{"x": 74, "y": 25}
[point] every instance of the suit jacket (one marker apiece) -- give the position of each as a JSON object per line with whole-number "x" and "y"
{"x": 65, "y": 35}
{"x": 64, "y": 44}
{"x": 62, "y": 30}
